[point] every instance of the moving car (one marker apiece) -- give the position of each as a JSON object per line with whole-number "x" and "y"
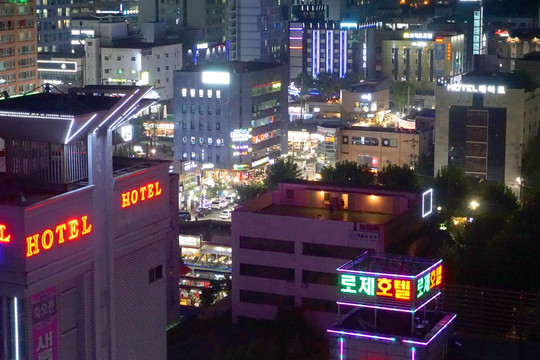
{"x": 202, "y": 212}
{"x": 219, "y": 204}
{"x": 225, "y": 214}
{"x": 184, "y": 216}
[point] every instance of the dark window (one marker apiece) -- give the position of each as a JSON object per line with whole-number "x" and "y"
{"x": 268, "y": 272}
{"x": 290, "y": 194}
{"x": 218, "y": 125}
{"x": 192, "y": 109}
{"x": 209, "y": 109}
{"x": 331, "y": 251}
{"x": 201, "y": 125}
{"x": 218, "y": 110}
{"x": 218, "y": 158}
{"x": 317, "y": 277}
{"x": 155, "y": 273}
{"x": 184, "y": 125}
{"x": 319, "y": 305}
{"x": 256, "y": 297}
{"x": 282, "y": 246}
{"x": 201, "y": 109}
{"x": 184, "y": 108}
{"x": 209, "y": 125}
{"x": 192, "y": 125}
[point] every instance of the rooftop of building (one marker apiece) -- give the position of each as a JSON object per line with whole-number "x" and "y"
{"x": 371, "y": 85}
{"x": 232, "y": 66}
{"x": 514, "y": 80}
{"x": 388, "y": 264}
{"x": 393, "y": 325}
{"x": 17, "y": 191}
{"x": 327, "y": 214}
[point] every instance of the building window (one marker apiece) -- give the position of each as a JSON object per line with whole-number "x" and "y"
{"x": 184, "y": 108}
{"x": 184, "y": 92}
{"x": 184, "y": 125}
{"x": 201, "y": 125}
{"x": 218, "y": 110}
{"x": 331, "y": 251}
{"x": 319, "y": 305}
{"x": 209, "y": 94}
{"x": 155, "y": 273}
{"x": 201, "y": 109}
{"x": 133, "y": 58}
{"x": 209, "y": 110}
{"x": 208, "y": 125}
{"x": 192, "y": 92}
{"x": 118, "y": 58}
{"x": 201, "y": 93}
{"x": 264, "y": 244}
{"x": 218, "y": 94}
{"x": 256, "y": 297}
{"x": 317, "y": 277}
{"x": 192, "y": 109}
{"x": 218, "y": 158}
{"x": 192, "y": 125}
{"x": 218, "y": 125}
{"x": 267, "y": 272}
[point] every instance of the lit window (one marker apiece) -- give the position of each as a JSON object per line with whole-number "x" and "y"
{"x": 192, "y": 92}
{"x": 201, "y": 93}
{"x": 218, "y": 94}
{"x": 184, "y": 92}
{"x": 209, "y": 94}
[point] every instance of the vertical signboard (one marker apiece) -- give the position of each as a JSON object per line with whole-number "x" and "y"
{"x": 44, "y": 325}
{"x": 438, "y": 59}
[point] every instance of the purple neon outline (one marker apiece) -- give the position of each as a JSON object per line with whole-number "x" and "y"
{"x": 296, "y": 28}
{"x": 390, "y": 308}
{"x": 433, "y": 337}
{"x": 370, "y": 273}
{"x": 295, "y": 37}
{"x": 413, "y": 353}
{"x": 373, "y": 337}
{"x": 341, "y": 354}
{"x": 429, "y": 269}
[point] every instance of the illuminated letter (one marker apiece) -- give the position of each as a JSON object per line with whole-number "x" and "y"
{"x": 73, "y": 229}
{"x": 60, "y": 231}
{"x": 32, "y": 242}
{"x": 44, "y": 243}
{"x": 85, "y": 229}
{"x": 134, "y": 197}
{"x": 142, "y": 190}
{"x": 158, "y": 190}
{"x": 150, "y": 191}
{"x": 125, "y": 199}
{"x": 3, "y": 237}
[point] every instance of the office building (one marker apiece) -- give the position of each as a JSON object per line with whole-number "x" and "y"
{"x": 18, "y": 48}
{"x": 337, "y": 48}
{"x": 231, "y": 116}
{"x": 422, "y": 57}
{"x": 287, "y": 244}
{"x": 88, "y": 241}
{"x": 53, "y": 21}
{"x": 484, "y": 124}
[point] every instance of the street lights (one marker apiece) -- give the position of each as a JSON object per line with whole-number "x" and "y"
{"x": 520, "y": 182}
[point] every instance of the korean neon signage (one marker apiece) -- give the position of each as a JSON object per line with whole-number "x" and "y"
{"x": 143, "y": 193}
{"x": 4, "y": 237}
{"x": 70, "y": 230}
{"x": 372, "y": 286}
{"x": 390, "y": 287}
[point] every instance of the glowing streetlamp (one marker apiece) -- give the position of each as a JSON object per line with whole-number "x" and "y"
{"x": 474, "y": 204}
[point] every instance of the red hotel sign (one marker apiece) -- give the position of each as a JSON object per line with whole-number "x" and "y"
{"x": 4, "y": 237}
{"x": 70, "y": 230}
{"x": 143, "y": 193}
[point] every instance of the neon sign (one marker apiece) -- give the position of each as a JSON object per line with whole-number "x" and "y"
{"x": 471, "y": 88}
{"x": 70, "y": 230}
{"x": 143, "y": 193}
{"x": 3, "y": 236}
{"x": 426, "y": 36}
{"x": 372, "y": 286}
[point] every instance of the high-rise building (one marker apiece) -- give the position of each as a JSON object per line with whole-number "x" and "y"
{"x": 88, "y": 241}
{"x": 53, "y": 20}
{"x": 18, "y": 47}
{"x": 261, "y": 30}
{"x": 232, "y": 116}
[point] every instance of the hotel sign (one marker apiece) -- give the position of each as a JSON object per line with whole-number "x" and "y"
{"x": 473, "y": 88}
{"x": 142, "y": 193}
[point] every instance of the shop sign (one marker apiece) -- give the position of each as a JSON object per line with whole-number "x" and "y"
{"x": 390, "y": 285}
{"x": 481, "y": 88}
{"x": 143, "y": 193}
{"x": 70, "y": 230}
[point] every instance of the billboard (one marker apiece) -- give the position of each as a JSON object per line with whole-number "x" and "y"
{"x": 44, "y": 325}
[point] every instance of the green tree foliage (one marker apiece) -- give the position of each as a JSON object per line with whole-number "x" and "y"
{"x": 327, "y": 83}
{"x": 304, "y": 81}
{"x": 348, "y": 173}
{"x": 395, "y": 177}
{"x": 402, "y": 94}
{"x": 451, "y": 187}
{"x": 249, "y": 191}
{"x": 531, "y": 170}
{"x": 282, "y": 170}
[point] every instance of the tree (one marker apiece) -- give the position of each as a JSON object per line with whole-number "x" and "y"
{"x": 451, "y": 188}
{"x": 402, "y": 93}
{"x": 327, "y": 83}
{"x": 395, "y": 177}
{"x": 304, "y": 81}
{"x": 249, "y": 191}
{"x": 282, "y": 170}
{"x": 348, "y": 173}
{"x": 530, "y": 170}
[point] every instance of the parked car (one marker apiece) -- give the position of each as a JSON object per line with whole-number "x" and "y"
{"x": 219, "y": 204}
{"x": 225, "y": 214}
{"x": 230, "y": 199}
{"x": 202, "y": 212}
{"x": 184, "y": 216}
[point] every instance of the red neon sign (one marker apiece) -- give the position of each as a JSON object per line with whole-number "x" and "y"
{"x": 439, "y": 39}
{"x": 3, "y": 237}
{"x": 70, "y": 230}
{"x": 143, "y": 193}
